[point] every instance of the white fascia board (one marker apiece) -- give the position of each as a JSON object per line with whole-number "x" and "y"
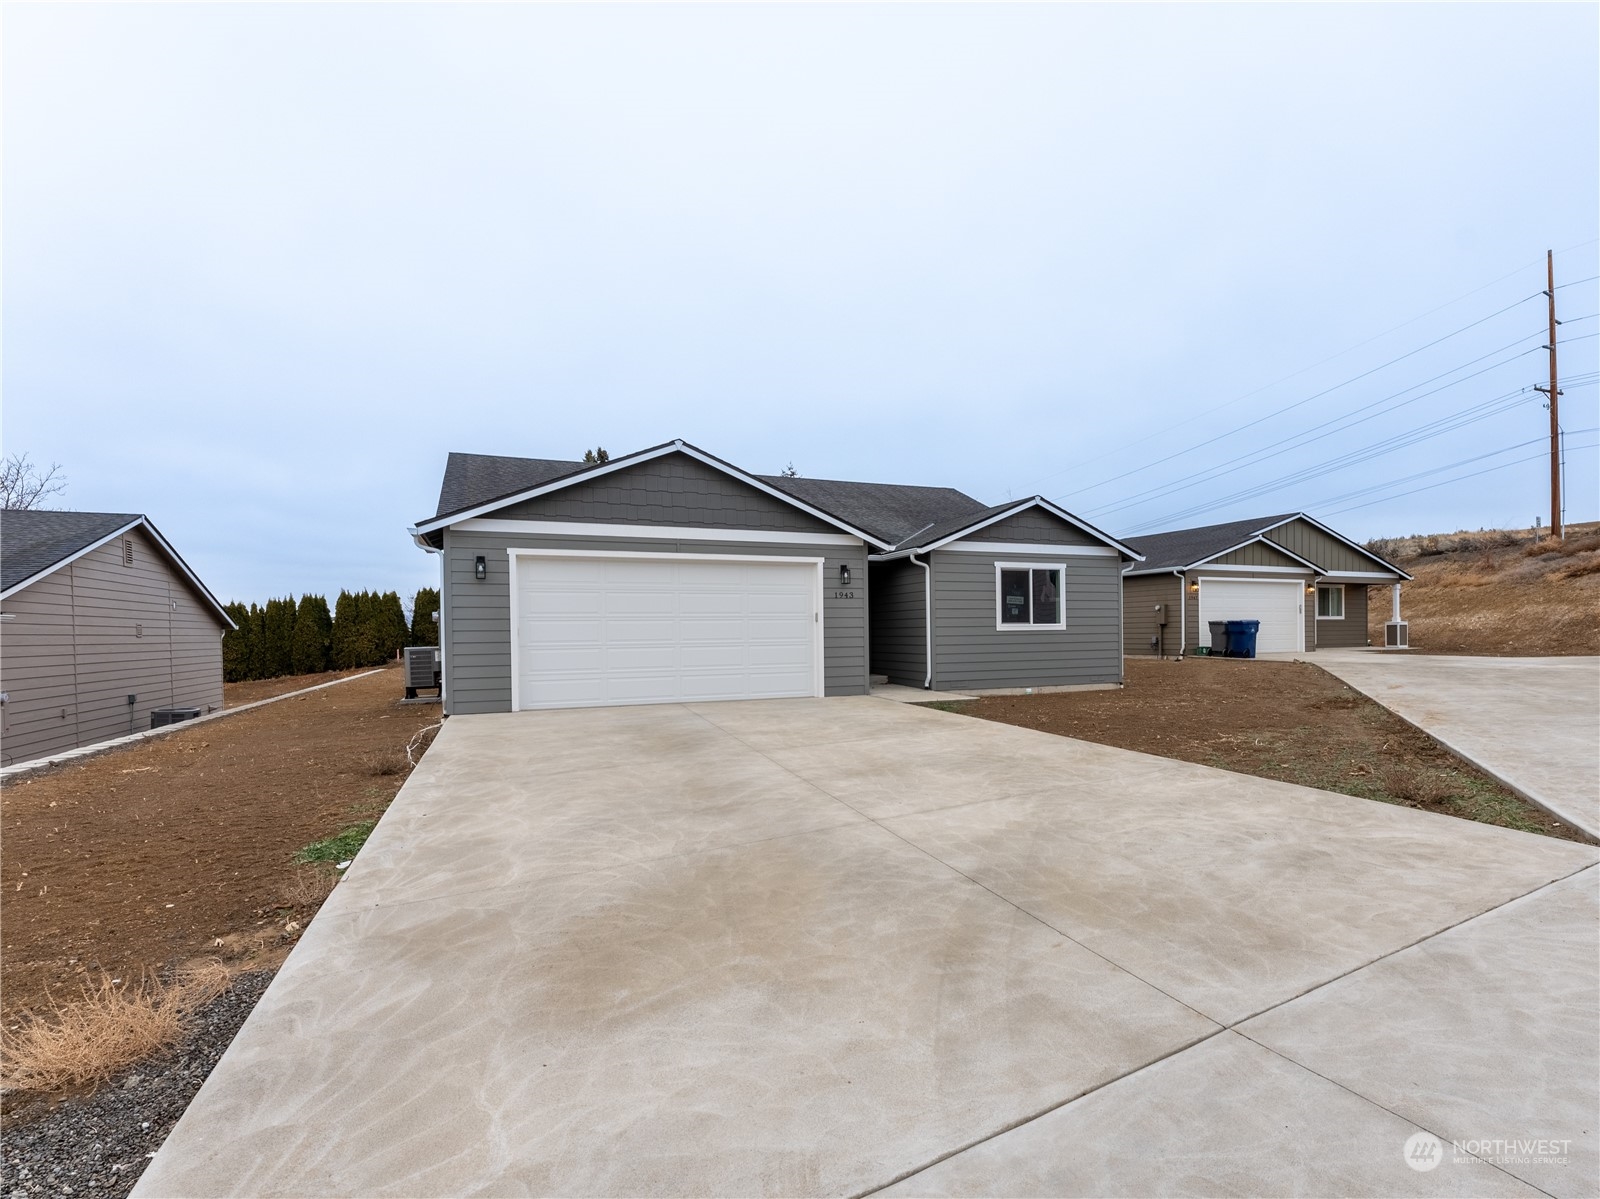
{"x": 1271, "y": 570}
{"x": 155, "y": 535}
{"x": 1017, "y": 547}
{"x": 571, "y": 528}
{"x": 1363, "y": 576}
{"x": 616, "y": 464}
{"x": 1035, "y": 502}
{"x": 1156, "y": 570}
{"x": 1340, "y": 537}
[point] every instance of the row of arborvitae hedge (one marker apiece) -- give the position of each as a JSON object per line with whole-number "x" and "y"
{"x": 286, "y": 636}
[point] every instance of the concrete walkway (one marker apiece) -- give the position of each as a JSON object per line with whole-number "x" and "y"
{"x": 1533, "y": 723}
{"x": 827, "y": 947}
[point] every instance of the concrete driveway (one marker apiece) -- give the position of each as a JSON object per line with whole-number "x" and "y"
{"x": 1533, "y": 723}
{"x": 832, "y": 946}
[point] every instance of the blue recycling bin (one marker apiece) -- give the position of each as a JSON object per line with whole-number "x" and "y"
{"x": 1242, "y": 638}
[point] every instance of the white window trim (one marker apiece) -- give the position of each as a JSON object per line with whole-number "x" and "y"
{"x": 1339, "y": 587}
{"x": 818, "y": 674}
{"x": 1031, "y": 628}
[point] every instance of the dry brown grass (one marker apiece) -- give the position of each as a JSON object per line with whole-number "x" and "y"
{"x": 308, "y": 886}
{"x": 116, "y": 1024}
{"x": 1497, "y": 591}
{"x": 1415, "y": 786}
{"x": 387, "y": 765}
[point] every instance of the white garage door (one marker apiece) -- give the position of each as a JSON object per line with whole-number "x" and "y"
{"x": 601, "y": 630}
{"x": 1279, "y": 606}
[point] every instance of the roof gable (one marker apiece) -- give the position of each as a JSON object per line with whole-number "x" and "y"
{"x": 961, "y": 527}
{"x": 37, "y": 543}
{"x": 1294, "y": 533}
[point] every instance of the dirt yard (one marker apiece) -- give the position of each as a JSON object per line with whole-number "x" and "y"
{"x": 1497, "y": 592}
{"x": 1279, "y": 720}
{"x": 182, "y": 846}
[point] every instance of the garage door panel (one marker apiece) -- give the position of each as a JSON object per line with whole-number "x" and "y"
{"x": 628, "y": 631}
{"x": 1278, "y": 605}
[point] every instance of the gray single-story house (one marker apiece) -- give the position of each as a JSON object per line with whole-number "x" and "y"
{"x": 671, "y": 575}
{"x": 1304, "y": 582}
{"x": 101, "y": 621}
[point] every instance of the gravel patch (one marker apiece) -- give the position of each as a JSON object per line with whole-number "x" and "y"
{"x": 100, "y": 1144}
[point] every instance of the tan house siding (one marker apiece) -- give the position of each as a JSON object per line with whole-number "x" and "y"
{"x": 1257, "y": 553}
{"x": 81, "y": 640}
{"x": 1140, "y": 595}
{"x": 1312, "y": 544}
{"x": 1352, "y": 630}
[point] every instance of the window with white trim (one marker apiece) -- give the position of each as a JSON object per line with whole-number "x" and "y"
{"x": 1029, "y": 597}
{"x": 1330, "y": 601}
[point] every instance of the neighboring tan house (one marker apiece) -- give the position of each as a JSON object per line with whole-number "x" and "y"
{"x": 670, "y": 575}
{"x": 1304, "y": 582}
{"x": 100, "y": 623}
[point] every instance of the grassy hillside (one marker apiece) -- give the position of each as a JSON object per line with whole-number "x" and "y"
{"x": 1497, "y": 591}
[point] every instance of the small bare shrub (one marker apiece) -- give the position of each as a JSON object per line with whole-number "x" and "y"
{"x": 113, "y": 1026}
{"x": 1578, "y": 568}
{"x": 308, "y": 886}
{"x": 386, "y": 765}
{"x": 1415, "y": 786}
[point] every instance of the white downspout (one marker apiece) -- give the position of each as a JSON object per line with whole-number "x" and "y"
{"x": 927, "y": 618}
{"x": 1183, "y": 613}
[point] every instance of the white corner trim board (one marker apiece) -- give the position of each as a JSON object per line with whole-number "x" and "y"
{"x": 570, "y": 528}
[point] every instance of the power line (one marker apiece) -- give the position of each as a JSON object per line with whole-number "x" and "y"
{"x": 1263, "y": 453}
{"x": 1296, "y": 374}
{"x": 1457, "y": 479}
{"x": 1422, "y": 474}
{"x": 1299, "y": 403}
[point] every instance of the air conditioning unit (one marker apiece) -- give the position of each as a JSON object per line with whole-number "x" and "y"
{"x": 422, "y": 669}
{"x": 1394, "y": 635}
{"x": 161, "y": 717}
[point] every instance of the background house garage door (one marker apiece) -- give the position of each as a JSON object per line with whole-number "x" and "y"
{"x": 601, "y": 630}
{"x": 1279, "y": 606}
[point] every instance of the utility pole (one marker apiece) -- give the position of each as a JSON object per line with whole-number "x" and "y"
{"x": 1553, "y": 392}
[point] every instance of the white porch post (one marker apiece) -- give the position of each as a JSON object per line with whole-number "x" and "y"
{"x": 1396, "y": 611}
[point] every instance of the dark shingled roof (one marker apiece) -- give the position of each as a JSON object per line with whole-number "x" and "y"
{"x": 32, "y": 541}
{"x": 473, "y": 479}
{"x": 891, "y": 512}
{"x": 895, "y": 514}
{"x": 1184, "y": 547}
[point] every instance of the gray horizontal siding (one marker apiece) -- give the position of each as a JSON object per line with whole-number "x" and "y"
{"x": 671, "y": 490}
{"x": 81, "y": 640}
{"x": 969, "y": 652}
{"x": 1352, "y": 630}
{"x": 1140, "y": 595}
{"x": 477, "y": 615}
{"x": 898, "y": 625}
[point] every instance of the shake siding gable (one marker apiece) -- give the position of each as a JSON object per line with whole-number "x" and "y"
{"x": 1034, "y": 526}
{"x": 1256, "y": 554}
{"x": 84, "y": 638}
{"x": 674, "y": 489}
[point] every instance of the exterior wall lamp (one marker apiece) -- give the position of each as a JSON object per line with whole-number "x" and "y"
{"x": 1194, "y": 586}
{"x": 480, "y": 569}
{"x": 844, "y": 574}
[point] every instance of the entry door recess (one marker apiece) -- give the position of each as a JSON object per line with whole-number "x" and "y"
{"x": 1278, "y": 604}
{"x": 598, "y": 629}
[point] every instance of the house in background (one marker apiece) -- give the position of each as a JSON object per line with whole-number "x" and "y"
{"x": 101, "y": 621}
{"x": 670, "y": 575}
{"x": 1304, "y": 582}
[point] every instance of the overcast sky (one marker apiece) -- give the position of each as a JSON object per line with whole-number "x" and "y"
{"x": 264, "y": 266}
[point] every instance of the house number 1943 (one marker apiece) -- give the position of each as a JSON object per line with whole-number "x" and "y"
{"x": 844, "y": 595}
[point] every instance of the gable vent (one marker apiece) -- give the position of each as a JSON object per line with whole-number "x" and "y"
{"x": 127, "y": 551}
